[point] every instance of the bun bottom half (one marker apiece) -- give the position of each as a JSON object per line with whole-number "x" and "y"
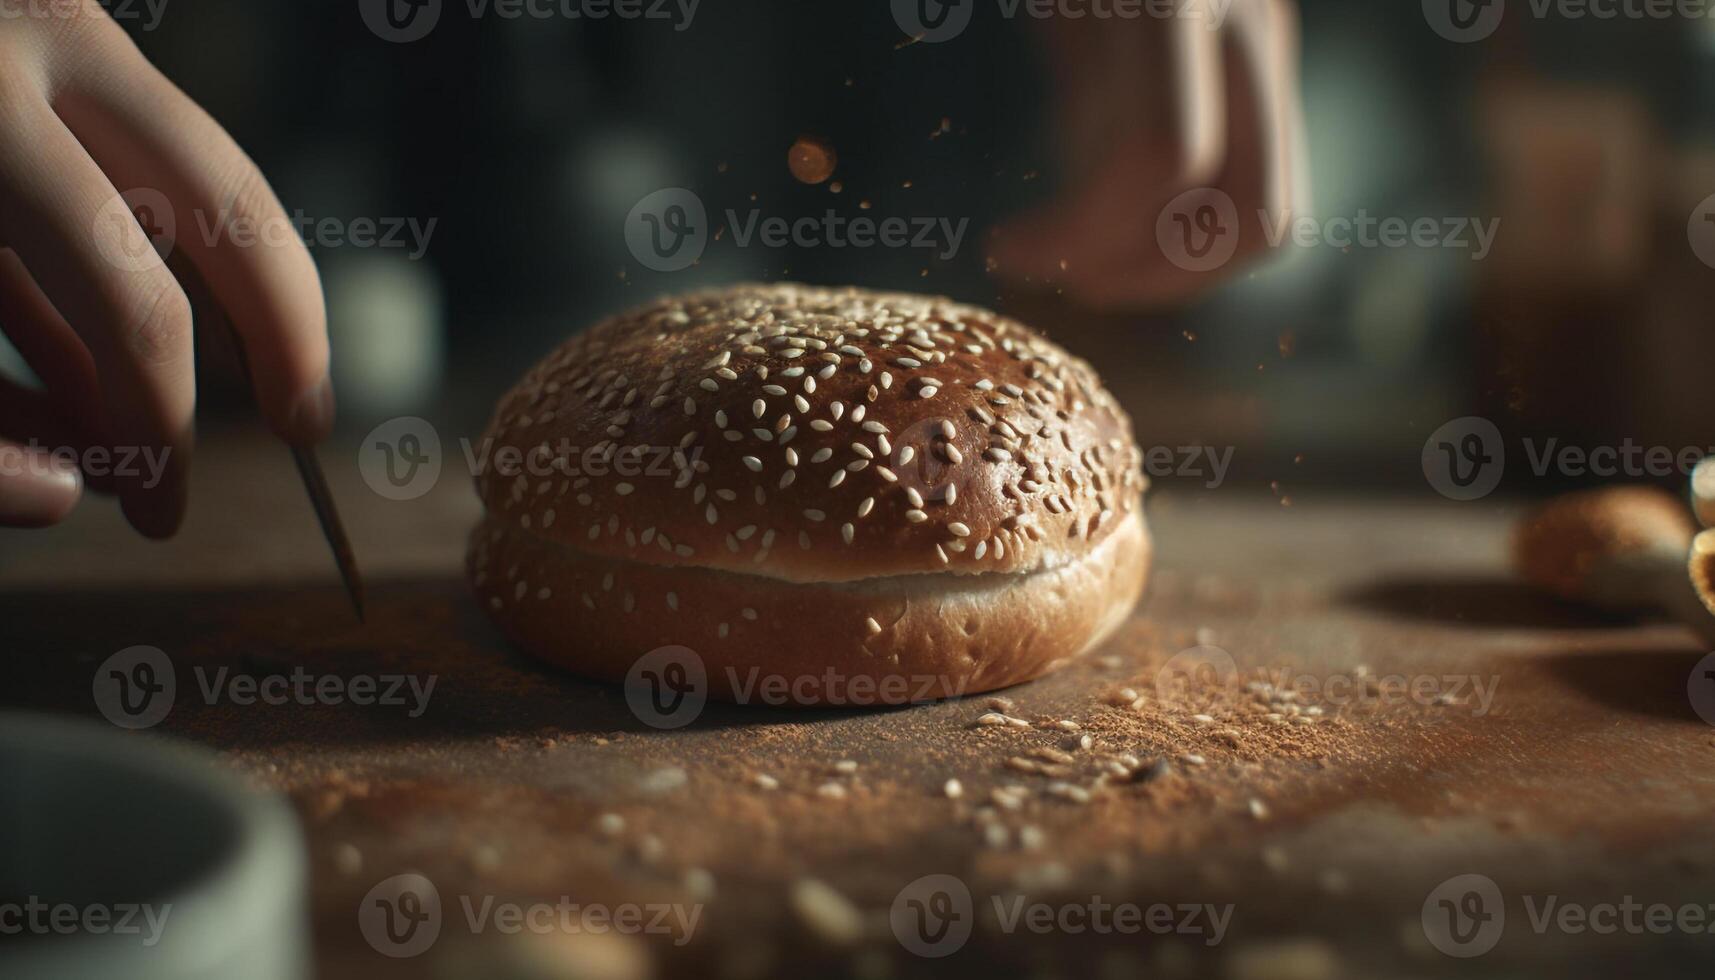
{"x": 877, "y": 641}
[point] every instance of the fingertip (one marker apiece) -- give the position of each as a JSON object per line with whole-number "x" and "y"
{"x": 311, "y": 417}
{"x": 158, "y": 514}
{"x": 40, "y": 492}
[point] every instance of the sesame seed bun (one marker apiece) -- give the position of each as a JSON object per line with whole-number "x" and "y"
{"x": 797, "y": 479}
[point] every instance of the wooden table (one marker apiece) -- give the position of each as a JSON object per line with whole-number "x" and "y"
{"x": 1582, "y": 774}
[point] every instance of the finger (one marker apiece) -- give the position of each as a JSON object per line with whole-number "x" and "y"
{"x": 77, "y": 239}
{"x": 37, "y": 487}
{"x": 146, "y": 133}
{"x": 51, "y": 348}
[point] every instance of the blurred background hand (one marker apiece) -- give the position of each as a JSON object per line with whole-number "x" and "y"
{"x": 1147, "y": 109}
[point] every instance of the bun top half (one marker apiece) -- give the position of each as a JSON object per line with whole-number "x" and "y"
{"x": 814, "y": 435}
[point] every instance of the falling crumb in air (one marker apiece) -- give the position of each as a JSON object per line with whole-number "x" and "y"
{"x": 811, "y": 160}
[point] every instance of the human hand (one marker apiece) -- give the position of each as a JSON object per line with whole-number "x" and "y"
{"x": 1152, "y": 110}
{"x": 95, "y": 312}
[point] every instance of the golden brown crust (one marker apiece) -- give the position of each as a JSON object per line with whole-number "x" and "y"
{"x": 814, "y": 435}
{"x": 1559, "y": 544}
{"x": 763, "y": 640}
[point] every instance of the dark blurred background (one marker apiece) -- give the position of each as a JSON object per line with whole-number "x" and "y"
{"x": 527, "y": 141}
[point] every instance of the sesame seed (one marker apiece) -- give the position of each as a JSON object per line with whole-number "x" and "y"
{"x": 873, "y": 426}
{"x": 952, "y": 493}
{"x": 754, "y": 463}
{"x": 916, "y": 516}
{"x": 996, "y": 454}
{"x": 623, "y": 489}
{"x": 906, "y": 455}
{"x": 867, "y": 505}
{"x": 708, "y": 384}
{"x": 848, "y": 532}
{"x": 959, "y": 529}
{"x": 814, "y": 514}
{"x": 838, "y": 478}
{"x": 887, "y": 474}
{"x": 821, "y": 425}
{"x": 821, "y": 455}
{"x": 758, "y": 407}
{"x": 927, "y": 391}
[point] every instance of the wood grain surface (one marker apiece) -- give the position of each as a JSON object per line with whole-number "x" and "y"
{"x": 1462, "y": 726}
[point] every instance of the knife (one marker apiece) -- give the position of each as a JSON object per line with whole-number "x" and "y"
{"x": 309, "y": 467}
